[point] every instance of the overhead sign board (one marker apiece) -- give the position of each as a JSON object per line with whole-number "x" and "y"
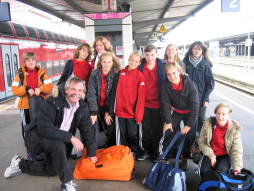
{"x": 5, "y": 13}
{"x": 163, "y": 29}
{"x": 103, "y": 16}
{"x": 109, "y": 5}
{"x": 230, "y": 5}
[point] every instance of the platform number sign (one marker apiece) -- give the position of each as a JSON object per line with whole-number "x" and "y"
{"x": 230, "y": 5}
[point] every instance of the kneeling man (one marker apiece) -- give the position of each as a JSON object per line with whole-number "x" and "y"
{"x": 53, "y": 135}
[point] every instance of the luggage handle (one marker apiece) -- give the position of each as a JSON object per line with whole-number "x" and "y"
{"x": 98, "y": 165}
{"x": 171, "y": 144}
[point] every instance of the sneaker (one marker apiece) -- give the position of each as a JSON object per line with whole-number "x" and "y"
{"x": 143, "y": 156}
{"x": 69, "y": 186}
{"x": 13, "y": 169}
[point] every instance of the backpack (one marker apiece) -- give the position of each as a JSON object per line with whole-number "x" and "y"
{"x": 221, "y": 181}
{"x": 167, "y": 177}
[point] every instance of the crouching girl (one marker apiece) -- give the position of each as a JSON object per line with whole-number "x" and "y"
{"x": 179, "y": 102}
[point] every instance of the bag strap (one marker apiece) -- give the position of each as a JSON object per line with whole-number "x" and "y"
{"x": 179, "y": 151}
{"x": 171, "y": 144}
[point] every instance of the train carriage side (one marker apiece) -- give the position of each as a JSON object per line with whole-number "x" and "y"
{"x": 52, "y": 51}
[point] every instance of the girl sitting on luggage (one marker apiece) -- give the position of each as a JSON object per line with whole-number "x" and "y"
{"x": 220, "y": 142}
{"x": 129, "y": 102}
{"x": 31, "y": 80}
{"x": 179, "y": 102}
{"x": 99, "y": 92}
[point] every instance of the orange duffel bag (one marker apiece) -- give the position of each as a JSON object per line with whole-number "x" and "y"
{"x": 114, "y": 163}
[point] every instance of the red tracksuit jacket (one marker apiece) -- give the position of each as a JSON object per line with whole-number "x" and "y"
{"x": 130, "y": 95}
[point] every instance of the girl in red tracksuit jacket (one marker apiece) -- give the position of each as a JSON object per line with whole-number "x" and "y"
{"x": 129, "y": 103}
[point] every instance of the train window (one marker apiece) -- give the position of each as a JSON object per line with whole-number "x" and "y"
{"x": 16, "y": 64}
{"x": 50, "y": 36}
{"x": 57, "y": 37}
{"x": 62, "y": 39}
{"x": 56, "y": 67}
{"x": 77, "y": 41}
{"x": 49, "y": 68}
{"x": 20, "y": 32}
{"x": 8, "y": 69}
{"x": 38, "y": 64}
{"x": 32, "y": 33}
{"x": 62, "y": 64}
{"x": 5, "y": 29}
{"x": 41, "y": 34}
{"x": 43, "y": 65}
{"x": 68, "y": 39}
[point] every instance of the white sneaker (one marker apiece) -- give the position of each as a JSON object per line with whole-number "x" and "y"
{"x": 69, "y": 186}
{"x": 13, "y": 169}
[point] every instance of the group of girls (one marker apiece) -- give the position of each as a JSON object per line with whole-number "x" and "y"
{"x": 219, "y": 137}
{"x": 118, "y": 97}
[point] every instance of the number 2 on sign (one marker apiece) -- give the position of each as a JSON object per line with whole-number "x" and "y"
{"x": 233, "y": 4}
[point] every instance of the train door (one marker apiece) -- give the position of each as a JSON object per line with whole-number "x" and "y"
{"x": 10, "y": 56}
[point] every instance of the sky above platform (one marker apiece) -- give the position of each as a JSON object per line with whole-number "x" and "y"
{"x": 210, "y": 23}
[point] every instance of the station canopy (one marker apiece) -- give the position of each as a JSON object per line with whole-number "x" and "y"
{"x": 151, "y": 19}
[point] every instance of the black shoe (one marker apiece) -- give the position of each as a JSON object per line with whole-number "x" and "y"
{"x": 155, "y": 160}
{"x": 184, "y": 164}
{"x": 142, "y": 156}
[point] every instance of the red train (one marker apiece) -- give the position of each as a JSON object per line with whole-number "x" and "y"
{"x": 52, "y": 51}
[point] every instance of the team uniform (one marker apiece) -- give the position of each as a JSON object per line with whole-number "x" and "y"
{"x": 129, "y": 107}
{"x": 151, "y": 130}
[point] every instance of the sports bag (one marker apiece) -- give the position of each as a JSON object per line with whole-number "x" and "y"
{"x": 221, "y": 181}
{"x": 114, "y": 163}
{"x": 167, "y": 177}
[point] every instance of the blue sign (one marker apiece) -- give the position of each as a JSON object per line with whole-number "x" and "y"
{"x": 230, "y": 5}
{"x": 162, "y": 39}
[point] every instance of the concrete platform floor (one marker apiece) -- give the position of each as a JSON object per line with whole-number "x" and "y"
{"x": 11, "y": 142}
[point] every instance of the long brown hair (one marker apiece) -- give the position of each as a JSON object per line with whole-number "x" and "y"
{"x": 105, "y": 42}
{"x": 116, "y": 63}
{"x": 76, "y": 53}
{"x": 204, "y": 51}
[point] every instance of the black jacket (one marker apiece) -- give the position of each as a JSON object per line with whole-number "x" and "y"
{"x": 185, "y": 99}
{"x": 67, "y": 71}
{"x": 50, "y": 119}
{"x": 94, "y": 88}
{"x": 202, "y": 76}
